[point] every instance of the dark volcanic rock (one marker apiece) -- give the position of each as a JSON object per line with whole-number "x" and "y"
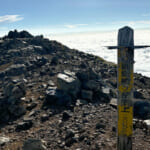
{"x": 33, "y": 144}
{"x": 138, "y": 94}
{"x": 87, "y": 94}
{"x": 44, "y": 117}
{"x": 31, "y": 106}
{"x": 91, "y": 85}
{"x": 69, "y": 83}
{"x": 16, "y": 34}
{"x": 24, "y": 125}
{"x": 16, "y": 110}
{"x": 14, "y": 92}
{"x": 15, "y": 70}
{"x": 10, "y": 105}
{"x": 62, "y": 95}
{"x": 142, "y": 109}
{"x": 56, "y": 96}
{"x": 66, "y": 115}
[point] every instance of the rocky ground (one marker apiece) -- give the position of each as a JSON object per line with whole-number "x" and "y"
{"x": 53, "y": 97}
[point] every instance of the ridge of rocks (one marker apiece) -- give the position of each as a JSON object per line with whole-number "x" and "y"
{"x": 54, "y": 97}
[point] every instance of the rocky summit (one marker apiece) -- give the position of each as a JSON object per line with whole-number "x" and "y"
{"x": 56, "y": 98}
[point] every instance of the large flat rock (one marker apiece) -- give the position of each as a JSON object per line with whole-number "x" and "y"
{"x": 69, "y": 83}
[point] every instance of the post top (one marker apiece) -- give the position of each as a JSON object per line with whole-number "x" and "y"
{"x": 125, "y": 37}
{"x": 126, "y": 28}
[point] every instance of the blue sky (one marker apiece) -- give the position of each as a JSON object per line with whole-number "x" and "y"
{"x": 61, "y": 16}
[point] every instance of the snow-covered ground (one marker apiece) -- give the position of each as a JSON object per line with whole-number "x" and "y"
{"x": 95, "y": 42}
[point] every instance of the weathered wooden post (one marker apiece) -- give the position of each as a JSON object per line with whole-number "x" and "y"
{"x": 125, "y": 87}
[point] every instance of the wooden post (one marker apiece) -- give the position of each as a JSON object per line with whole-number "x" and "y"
{"x": 125, "y": 87}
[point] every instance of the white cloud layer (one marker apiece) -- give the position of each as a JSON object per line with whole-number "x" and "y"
{"x": 133, "y": 23}
{"x": 95, "y": 42}
{"x": 10, "y": 18}
{"x": 71, "y": 26}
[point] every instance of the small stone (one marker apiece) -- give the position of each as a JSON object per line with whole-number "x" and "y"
{"x": 82, "y": 137}
{"x": 70, "y": 141}
{"x": 81, "y": 102}
{"x": 113, "y": 102}
{"x": 100, "y": 125}
{"x": 147, "y": 122}
{"x": 51, "y": 83}
{"x": 31, "y": 106}
{"x": 106, "y": 90}
{"x": 33, "y": 113}
{"x": 69, "y": 133}
{"x": 24, "y": 125}
{"x": 66, "y": 115}
{"x": 44, "y": 117}
{"x": 114, "y": 129}
{"x": 4, "y": 140}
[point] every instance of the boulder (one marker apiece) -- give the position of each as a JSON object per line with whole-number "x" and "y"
{"x": 25, "y": 34}
{"x": 14, "y": 92}
{"x": 87, "y": 75}
{"x": 10, "y": 107}
{"x": 138, "y": 94}
{"x": 33, "y": 144}
{"x": 16, "y": 34}
{"x": 69, "y": 83}
{"x": 87, "y": 94}
{"x": 93, "y": 75}
{"x": 4, "y": 113}
{"x": 13, "y": 44}
{"x": 142, "y": 109}
{"x": 91, "y": 85}
{"x": 16, "y": 110}
{"x": 15, "y": 70}
{"x": 83, "y": 75}
{"x": 52, "y": 95}
{"x": 147, "y": 123}
{"x": 100, "y": 96}
{"x": 56, "y": 96}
